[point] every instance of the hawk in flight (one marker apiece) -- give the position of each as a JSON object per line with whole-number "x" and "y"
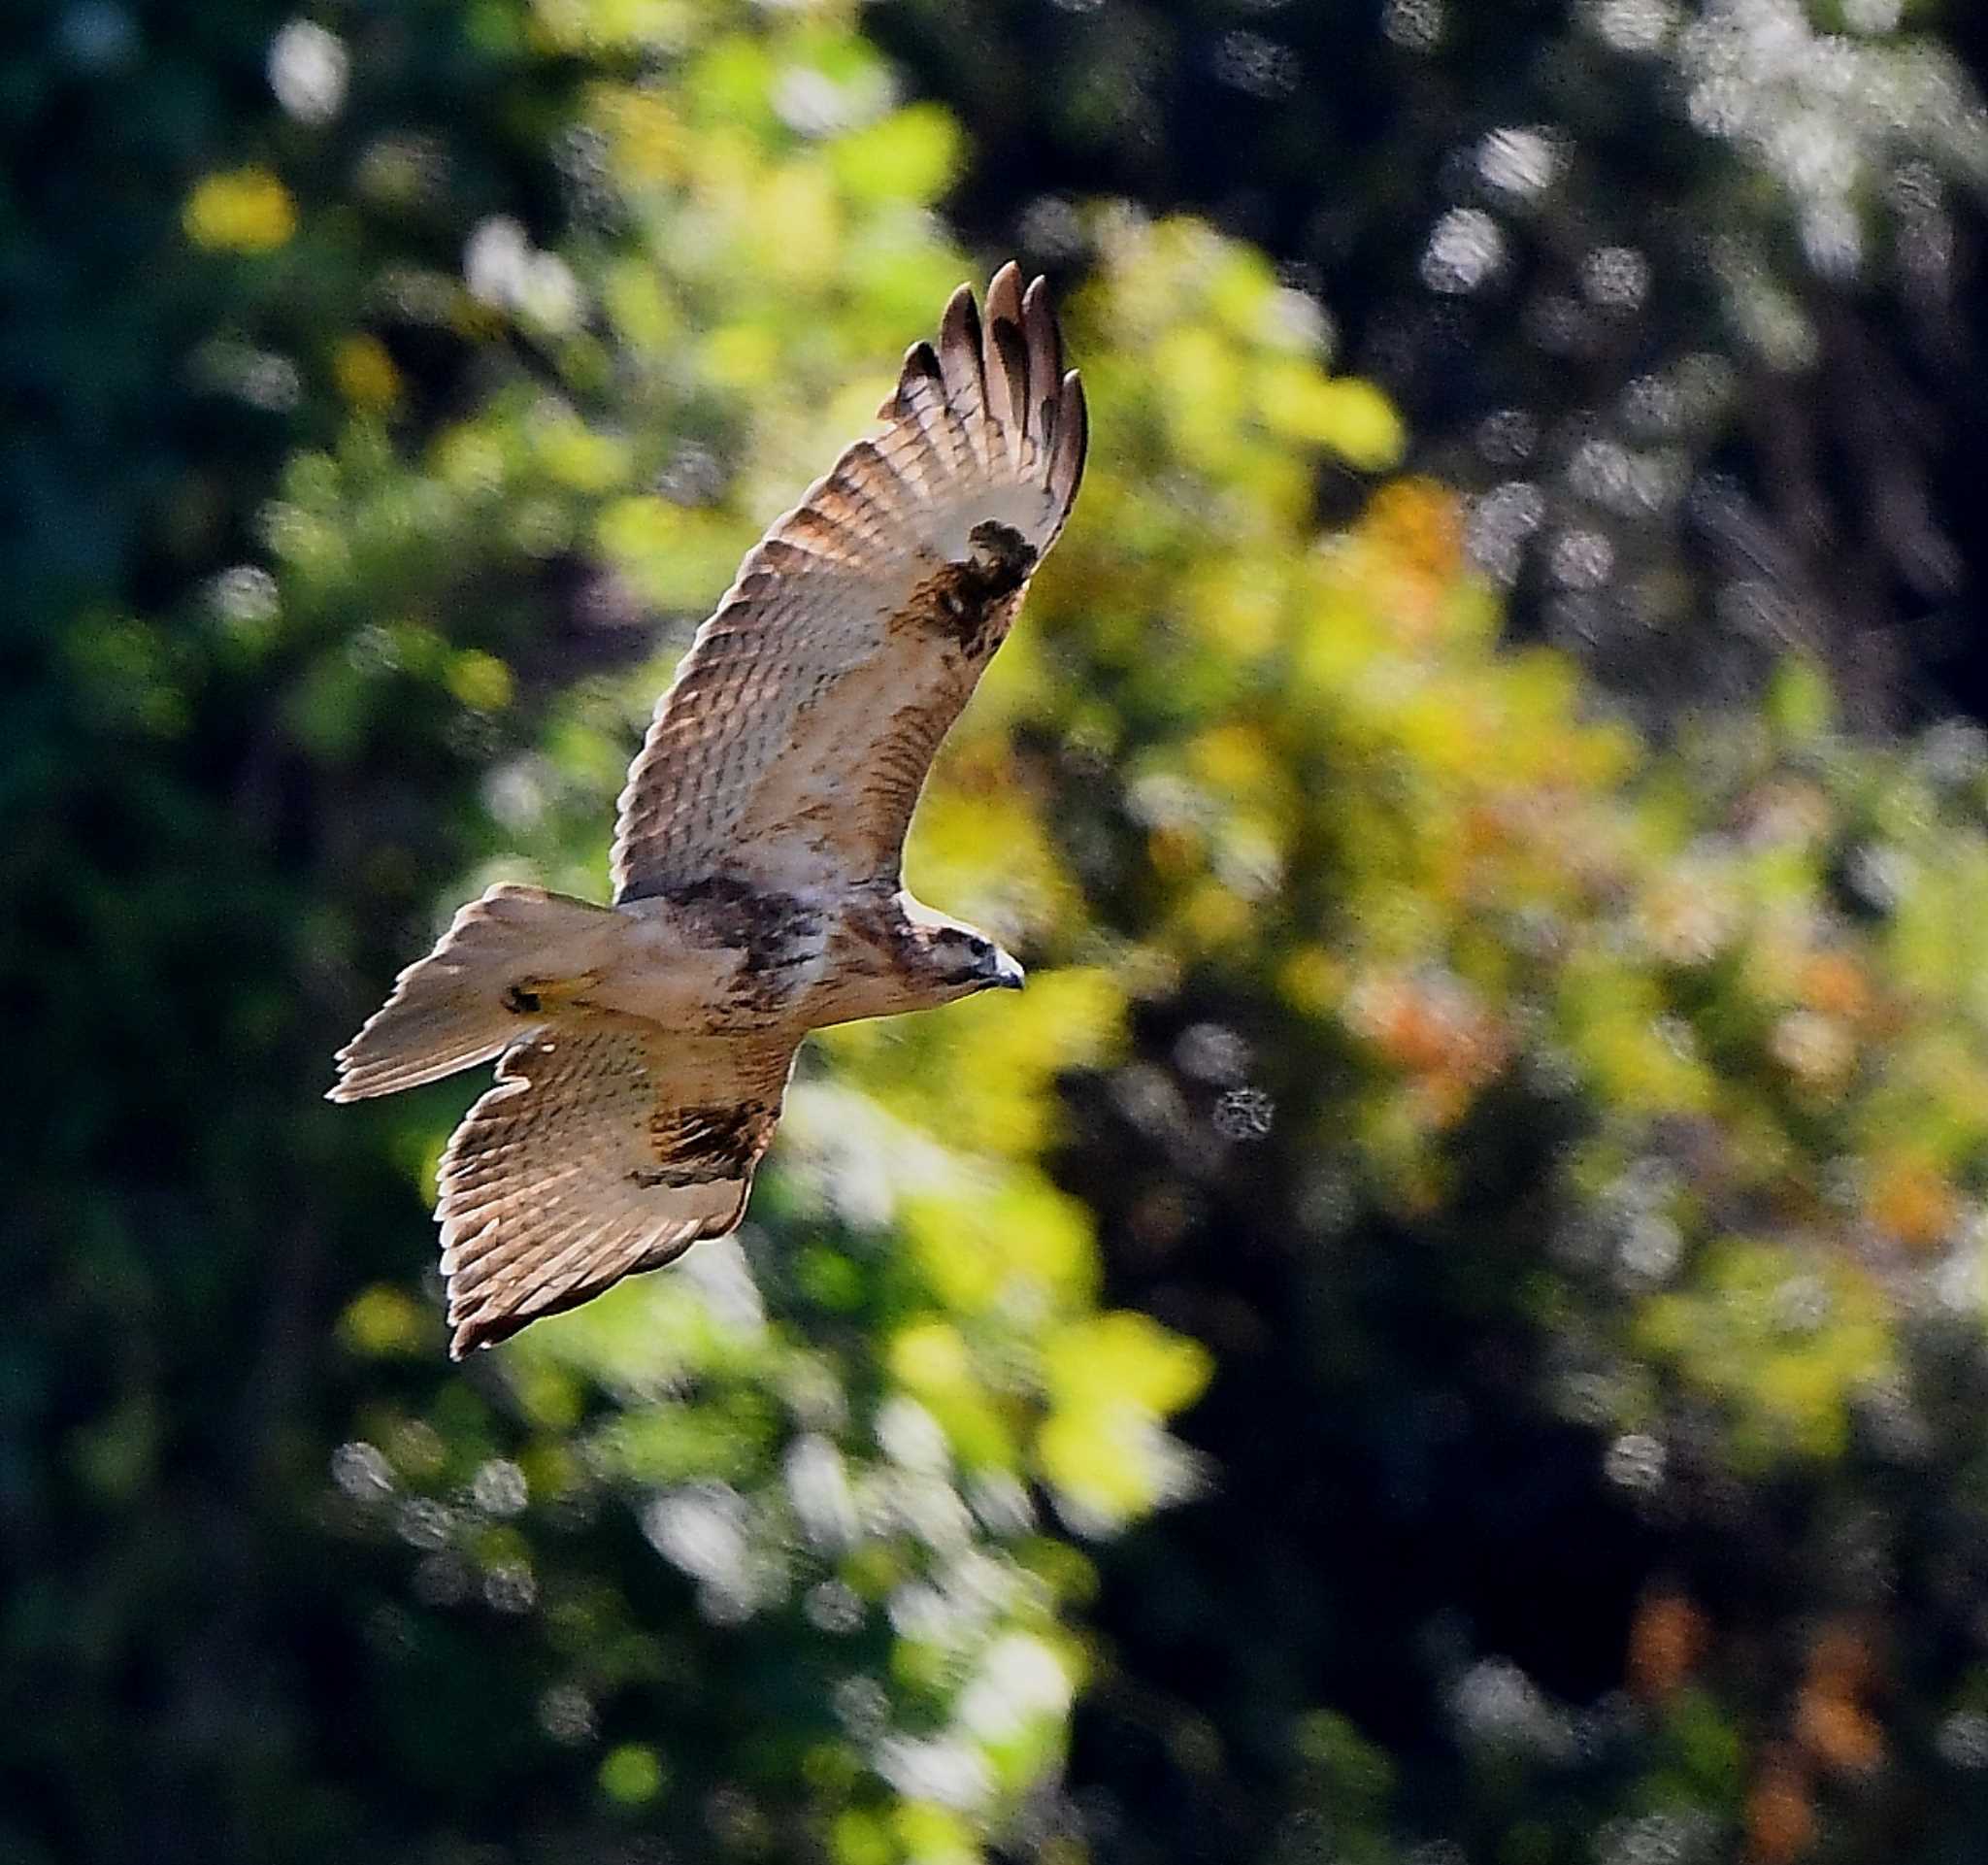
{"x": 643, "y": 1048}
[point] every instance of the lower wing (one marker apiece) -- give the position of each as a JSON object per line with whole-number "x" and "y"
{"x": 608, "y": 1145}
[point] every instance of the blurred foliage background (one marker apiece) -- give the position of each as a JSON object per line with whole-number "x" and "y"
{"x": 1446, "y": 1326}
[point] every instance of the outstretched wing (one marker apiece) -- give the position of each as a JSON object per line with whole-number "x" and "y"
{"x": 793, "y": 745}
{"x": 605, "y": 1146}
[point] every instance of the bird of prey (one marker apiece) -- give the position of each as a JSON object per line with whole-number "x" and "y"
{"x": 644, "y": 1047}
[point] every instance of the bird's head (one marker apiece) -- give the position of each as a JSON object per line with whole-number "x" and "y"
{"x": 961, "y": 961}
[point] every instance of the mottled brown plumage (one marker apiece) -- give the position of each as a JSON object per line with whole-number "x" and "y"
{"x": 644, "y": 1047}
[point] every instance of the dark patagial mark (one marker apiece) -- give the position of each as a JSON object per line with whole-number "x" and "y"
{"x": 773, "y": 932}
{"x": 520, "y": 1002}
{"x": 725, "y": 909}
{"x": 970, "y": 598}
{"x": 1001, "y": 561}
{"x": 713, "y": 894}
{"x": 769, "y": 931}
{"x": 701, "y": 1144}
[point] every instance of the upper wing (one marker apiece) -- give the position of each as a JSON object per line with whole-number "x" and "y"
{"x": 792, "y": 746}
{"x": 607, "y": 1146}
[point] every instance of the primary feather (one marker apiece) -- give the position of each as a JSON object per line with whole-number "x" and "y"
{"x": 643, "y": 1048}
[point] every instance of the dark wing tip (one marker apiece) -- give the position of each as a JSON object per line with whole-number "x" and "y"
{"x": 1044, "y": 333}
{"x": 960, "y": 346}
{"x": 960, "y": 326}
{"x": 1008, "y": 363}
{"x": 1006, "y": 360}
{"x": 920, "y": 365}
{"x": 1008, "y": 377}
{"x": 490, "y": 1330}
{"x": 1072, "y": 443}
{"x": 1044, "y": 341}
{"x": 1003, "y": 295}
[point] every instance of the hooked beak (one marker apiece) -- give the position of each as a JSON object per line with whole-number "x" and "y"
{"x": 1007, "y": 974}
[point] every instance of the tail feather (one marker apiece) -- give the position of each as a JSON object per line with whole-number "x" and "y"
{"x": 470, "y": 998}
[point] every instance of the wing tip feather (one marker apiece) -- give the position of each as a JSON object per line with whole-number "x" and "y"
{"x": 1045, "y": 340}
{"x": 1005, "y": 358}
{"x": 962, "y": 307}
{"x": 998, "y": 368}
{"x": 1008, "y": 385}
{"x": 920, "y": 365}
{"x": 961, "y": 347}
{"x": 1072, "y": 443}
{"x": 1004, "y": 291}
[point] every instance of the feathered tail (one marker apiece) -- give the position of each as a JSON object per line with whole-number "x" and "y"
{"x": 473, "y": 996}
